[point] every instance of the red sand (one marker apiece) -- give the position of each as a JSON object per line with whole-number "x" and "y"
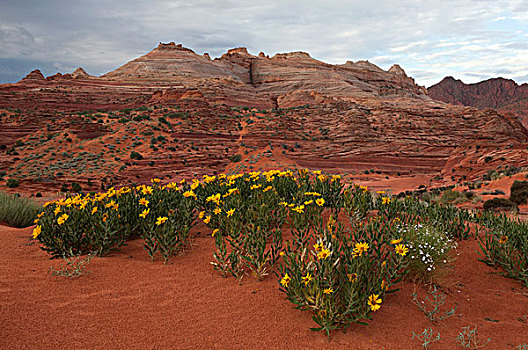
{"x": 128, "y": 302}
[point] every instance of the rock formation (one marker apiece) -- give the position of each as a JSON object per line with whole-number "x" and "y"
{"x": 502, "y": 94}
{"x": 187, "y": 115}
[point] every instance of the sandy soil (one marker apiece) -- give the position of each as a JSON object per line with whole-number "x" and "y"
{"x": 128, "y": 302}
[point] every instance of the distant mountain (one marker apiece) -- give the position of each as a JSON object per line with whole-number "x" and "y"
{"x": 498, "y": 93}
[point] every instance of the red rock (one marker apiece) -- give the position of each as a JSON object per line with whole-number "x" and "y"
{"x": 499, "y": 93}
{"x": 354, "y": 117}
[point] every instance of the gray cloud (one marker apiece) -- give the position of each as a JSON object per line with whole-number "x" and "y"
{"x": 429, "y": 39}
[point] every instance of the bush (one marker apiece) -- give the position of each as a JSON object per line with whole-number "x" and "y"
{"x": 429, "y": 251}
{"x": 16, "y": 211}
{"x": 449, "y": 196}
{"x": 135, "y": 155}
{"x": 235, "y": 158}
{"x": 500, "y": 204}
{"x": 519, "y": 192}
{"x": 76, "y": 187}
{"x": 12, "y": 183}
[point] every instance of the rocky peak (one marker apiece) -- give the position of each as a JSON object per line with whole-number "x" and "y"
{"x": 238, "y": 51}
{"x": 296, "y": 54}
{"x": 34, "y": 76}
{"x": 396, "y": 69}
{"x": 80, "y": 73}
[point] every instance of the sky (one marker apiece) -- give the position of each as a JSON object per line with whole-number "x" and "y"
{"x": 469, "y": 40}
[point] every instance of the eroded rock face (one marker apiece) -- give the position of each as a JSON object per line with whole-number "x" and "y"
{"x": 237, "y": 78}
{"x": 298, "y": 111}
{"x": 498, "y": 93}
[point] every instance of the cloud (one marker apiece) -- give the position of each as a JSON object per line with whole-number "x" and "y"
{"x": 429, "y": 39}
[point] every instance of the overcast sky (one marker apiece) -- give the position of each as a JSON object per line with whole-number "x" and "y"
{"x": 470, "y": 40}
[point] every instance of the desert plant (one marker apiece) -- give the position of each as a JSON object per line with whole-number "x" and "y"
{"x": 500, "y": 203}
{"x": 503, "y": 243}
{"x": 135, "y": 155}
{"x": 468, "y": 339}
{"x": 431, "y": 305}
{"x": 16, "y": 211}
{"x": 429, "y": 251}
{"x": 427, "y": 337}
{"x": 519, "y": 192}
{"x": 72, "y": 267}
{"x": 76, "y": 187}
{"x": 12, "y": 183}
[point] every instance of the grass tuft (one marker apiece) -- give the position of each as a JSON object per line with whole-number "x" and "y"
{"x": 17, "y": 211}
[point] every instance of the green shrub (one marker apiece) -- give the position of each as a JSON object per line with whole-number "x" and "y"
{"x": 519, "y": 192}
{"x": 76, "y": 187}
{"x": 135, "y": 155}
{"x": 12, "y": 183}
{"x": 500, "y": 204}
{"x": 449, "y": 196}
{"x": 16, "y": 211}
{"x": 235, "y": 158}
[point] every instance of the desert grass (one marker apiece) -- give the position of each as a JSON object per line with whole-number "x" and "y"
{"x": 17, "y": 211}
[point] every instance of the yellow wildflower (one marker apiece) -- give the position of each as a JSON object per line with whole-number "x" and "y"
{"x": 384, "y": 285}
{"x": 94, "y": 210}
{"x": 215, "y": 231}
{"x": 503, "y": 239}
{"x": 144, "y": 213}
{"x": 385, "y": 200}
{"x": 320, "y": 202}
{"x": 189, "y": 194}
{"x": 308, "y": 202}
{"x": 144, "y": 201}
{"x": 201, "y": 215}
{"x": 323, "y": 253}
{"x": 57, "y": 210}
{"x": 267, "y": 189}
{"x": 230, "y": 212}
{"x": 374, "y": 302}
{"x": 207, "y": 219}
{"x": 328, "y": 291}
{"x": 285, "y": 280}
{"x": 360, "y": 248}
{"x": 195, "y": 184}
{"x": 217, "y": 211}
{"x": 173, "y": 186}
{"x": 147, "y": 190}
{"x": 36, "y": 231}
{"x": 155, "y": 180}
{"x": 62, "y": 219}
{"x": 161, "y": 220}
{"x": 396, "y": 241}
{"x": 299, "y": 209}
{"x": 306, "y": 279}
{"x": 352, "y": 277}
{"x": 401, "y": 249}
